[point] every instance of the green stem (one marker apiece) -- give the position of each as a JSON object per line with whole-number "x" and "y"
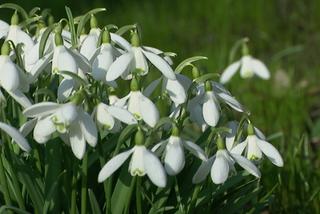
{"x": 176, "y": 188}
{"x": 106, "y": 185}
{"x": 4, "y": 183}
{"x": 138, "y": 195}
{"x": 84, "y": 173}
{"x": 74, "y": 189}
{"x": 194, "y": 198}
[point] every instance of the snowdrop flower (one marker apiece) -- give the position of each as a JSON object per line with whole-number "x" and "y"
{"x": 69, "y": 119}
{"x": 14, "y": 33}
{"x": 16, "y": 136}
{"x": 89, "y": 43}
{"x": 12, "y": 78}
{"x": 204, "y": 108}
{"x": 255, "y": 147}
{"x": 220, "y": 165}
{"x": 139, "y": 105}
{"x": 174, "y": 158}
{"x": 143, "y": 162}
{"x": 249, "y": 67}
{"x": 135, "y": 61}
{"x": 107, "y": 116}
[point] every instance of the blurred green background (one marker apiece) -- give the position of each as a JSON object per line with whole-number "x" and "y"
{"x": 285, "y": 34}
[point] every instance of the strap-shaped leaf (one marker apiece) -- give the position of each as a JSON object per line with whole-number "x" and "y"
{"x": 188, "y": 62}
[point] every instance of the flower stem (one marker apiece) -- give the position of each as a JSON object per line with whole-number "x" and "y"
{"x": 84, "y": 170}
{"x": 138, "y": 195}
{"x": 74, "y": 189}
{"x": 194, "y": 199}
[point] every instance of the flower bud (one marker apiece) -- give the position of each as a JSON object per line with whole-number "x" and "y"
{"x": 5, "y": 49}
{"x": 220, "y": 143}
{"x": 135, "y": 40}
{"x": 93, "y": 22}
{"x": 15, "y": 18}
{"x": 245, "y": 49}
{"x": 139, "y": 137}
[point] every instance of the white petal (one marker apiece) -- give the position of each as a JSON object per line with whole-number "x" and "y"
{"x": 184, "y": 80}
{"x": 119, "y": 66}
{"x": 140, "y": 60}
{"x": 122, "y": 114}
{"x": 22, "y": 99}
{"x": 176, "y": 91}
{"x": 260, "y": 69}
{"x": 102, "y": 63}
{"x": 66, "y": 62}
{"x": 112, "y": 165}
{"x": 174, "y": 160}
{"x": 41, "y": 109}
{"x": 160, "y": 64}
{"x": 4, "y": 28}
{"x": 43, "y": 130}
{"x": 82, "y": 62}
{"x": 211, "y": 109}
{"x": 159, "y": 146}
{"x": 148, "y": 110}
{"x": 238, "y": 149}
{"x": 203, "y": 170}
{"x": 24, "y": 38}
{"x": 28, "y": 126}
{"x": 154, "y": 169}
{"x": 65, "y": 89}
{"x": 220, "y": 168}
{"x": 247, "y": 165}
{"x": 39, "y": 66}
{"x": 77, "y": 141}
{"x": 230, "y": 137}
{"x": 231, "y": 101}
{"x": 89, "y": 46}
{"x": 195, "y": 150}
{"x": 9, "y": 76}
{"x": 246, "y": 70}
{"x": 89, "y": 129}
{"x": 16, "y": 136}
{"x": 271, "y": 152}
{"x": 228, "y": 73}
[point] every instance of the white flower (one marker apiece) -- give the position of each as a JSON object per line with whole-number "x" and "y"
{"x": 107, "y": 116}
{"x": 142, "y": 162}
{"x": 204, "y": 108}
{"x": 14, "y": 33}
{"x": 13, "y": 80}
{"x": 174, "y": 157}
{"x": 68, "y": 119}
{"x": 141, "y": 107}
{"x": 256, "y": 147}
{"x": 220, "y": 165}
{"x": 16, "y": 136}
{"x": 89, "y": 44}
{"x": 249, "y": 67}
{"x": 136, "y": 60}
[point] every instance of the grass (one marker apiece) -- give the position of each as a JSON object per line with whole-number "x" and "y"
{"x": 284, "y": 34}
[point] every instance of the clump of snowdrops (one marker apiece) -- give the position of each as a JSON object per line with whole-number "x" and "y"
{"x": 92, "y": 115}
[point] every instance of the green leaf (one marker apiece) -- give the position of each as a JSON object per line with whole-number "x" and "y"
{"x": 34, "y": 11}
{"x": 15, "y": 7}
{"x": 163, "y": 121}
{"x": 45, "y": 92}
{"x": 188, "y": 62}
{"x": 29, "y": 21}
{"x": 83, "y": 20}
{"x": 93, "y": 202}
{"x": 44, "y": 39}
{"x": 127, "y": 133}
{"x": 74, "y": 38}
{"x": 4, "y": 209}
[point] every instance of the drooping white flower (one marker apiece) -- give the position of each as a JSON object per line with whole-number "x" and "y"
{"x": 16, "y": 136}
{"x": 174, "y": 157}
{"x": 14, "y": 33}
{"x": 221, "y": 164}
{"x": 204, "y": 108}
{"x": 255, "y": 147}
{"x": 89, "y": 43}
{"x": 12, "y": 78}
{"x": 143, "y": 162}
{"x": 135, "y": 60}
{"x": 249, "y": 67}
{"x": 68, "y": 119}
